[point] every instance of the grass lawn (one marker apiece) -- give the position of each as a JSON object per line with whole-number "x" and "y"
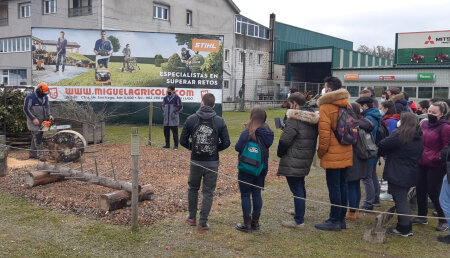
{"x": 147, "y": 76}
{"x": 30, "y": 230}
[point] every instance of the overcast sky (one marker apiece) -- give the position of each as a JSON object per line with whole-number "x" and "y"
{"x": 370, "y": 23}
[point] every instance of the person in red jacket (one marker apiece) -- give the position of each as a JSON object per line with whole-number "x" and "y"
{"x": 390, "y": 116}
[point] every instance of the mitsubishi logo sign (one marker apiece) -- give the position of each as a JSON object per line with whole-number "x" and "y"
{"x": 429, "y": 40}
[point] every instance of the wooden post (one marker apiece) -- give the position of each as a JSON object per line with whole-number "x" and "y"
{"x": 134, "y": 179}
{"x": 150, "y": 124}
{"x": 3, "y": 156}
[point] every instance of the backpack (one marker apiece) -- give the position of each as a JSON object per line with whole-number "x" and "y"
{"x": 346, "y": 130}
{"x": 250, "y": 159}
{"x": 205, "y": 138}
{"x": 382, "y": 131}
{"x": 365, "y": 147}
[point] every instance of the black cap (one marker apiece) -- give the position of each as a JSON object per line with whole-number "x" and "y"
{"x": 364, "y": 100}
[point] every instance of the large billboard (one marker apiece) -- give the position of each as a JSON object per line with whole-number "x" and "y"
{"x": 430, "y": 47}
{"x": 123, "y": 66}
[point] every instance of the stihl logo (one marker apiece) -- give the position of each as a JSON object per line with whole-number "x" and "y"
{"x": 205, "y": 45}
{"x": 429, "y": 41}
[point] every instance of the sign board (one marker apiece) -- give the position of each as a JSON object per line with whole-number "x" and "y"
{"x": 422, "y": 77}
{"x": 123, "y": 66}
{"x": 429, "y": 47}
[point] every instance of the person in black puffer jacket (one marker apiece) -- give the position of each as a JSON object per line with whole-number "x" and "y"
{"x": 398, "y": 98}
{"x": 359, "y": 170}
{"x": 296, "y": 149}
{"x": 402, "y": 149}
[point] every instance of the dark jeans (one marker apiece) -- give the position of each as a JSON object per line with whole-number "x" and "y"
{"x": 400, "y": 195}
{"x": 372, "y": 187}
{"x": 209, "y": 185}
{"x": 337, "y": 191}
{"x": 429, "y": 182}
{"x": 36, "y": 144}
{"x": 297, "y": 186}
{"x": 58, "y": 61}
{"x": 444, "y": 199}
{"x": 167, "y": 130}
{"x": 354, "y": 193}
{"x": 248, "y": 190}
{"x": 103, "y": 63}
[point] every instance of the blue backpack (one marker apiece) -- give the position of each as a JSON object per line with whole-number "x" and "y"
{"x": 250, "y": 160}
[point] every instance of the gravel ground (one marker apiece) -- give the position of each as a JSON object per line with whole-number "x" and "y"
{"x": 165, "y": 170}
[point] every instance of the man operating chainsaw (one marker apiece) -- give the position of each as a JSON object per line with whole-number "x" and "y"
{"x": 37, "y": 109}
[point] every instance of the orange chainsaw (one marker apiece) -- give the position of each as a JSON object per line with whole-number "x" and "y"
{"x": 45, "y": 126}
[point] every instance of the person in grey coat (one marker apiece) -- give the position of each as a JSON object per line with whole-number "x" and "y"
{"x": 37, "y": 110}
{"x": 296, "y": 149}
{"x": 171, "y": 108}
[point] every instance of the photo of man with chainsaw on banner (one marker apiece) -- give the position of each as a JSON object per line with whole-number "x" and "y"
{"x": 102, "y": 50}
{"x": 37, "y": 109}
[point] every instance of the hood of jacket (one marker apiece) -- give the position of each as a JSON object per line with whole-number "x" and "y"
{"x": 394, "y": 116}
{"x": 206, "y": 112}
{"x": 303, "y": 115}
{"x": 373, "y": 112}
{"x": 265, "y": 134}
{"x": 399, "y": 97}
{"x": 338, "y": 98}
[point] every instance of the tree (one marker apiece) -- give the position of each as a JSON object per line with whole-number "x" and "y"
{"x": 12, "y": 114}
{"x": 115, "y": 42}
{"x": 213, "y": 63}
{"x": 380, "y": 51}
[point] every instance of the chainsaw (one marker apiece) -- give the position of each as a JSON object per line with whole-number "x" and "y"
{"x": 49, "y": 126}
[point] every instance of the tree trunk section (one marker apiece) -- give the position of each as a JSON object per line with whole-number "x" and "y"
{"x": 119, "y": 199}
{"x": 36, "y": 178}
{"x": 90, "y": 178}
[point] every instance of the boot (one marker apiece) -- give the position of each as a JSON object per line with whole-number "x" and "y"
{"x": 255, "y": 222}
{"x": 246, "y": 226}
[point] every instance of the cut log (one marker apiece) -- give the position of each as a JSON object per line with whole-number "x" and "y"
{"x": 90, "y": 178}
{"x": 36, "y": 178}
{"x": 119, "y": 199}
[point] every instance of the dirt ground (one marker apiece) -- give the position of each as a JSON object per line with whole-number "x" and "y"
{"x": 166, "y": 170}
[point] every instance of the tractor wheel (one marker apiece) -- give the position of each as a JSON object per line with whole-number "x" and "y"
{"x": 69, "y": 144}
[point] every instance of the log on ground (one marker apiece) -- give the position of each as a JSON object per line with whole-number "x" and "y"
{"x": 36, "y": 178}
{"x": 120, "y": 199}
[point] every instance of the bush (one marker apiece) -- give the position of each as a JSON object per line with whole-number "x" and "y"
{"x": 174, "y": 62}
{"x": 12, "y": 113}
{"x": 198, "y": 60}
{"x": 158, "y": 60}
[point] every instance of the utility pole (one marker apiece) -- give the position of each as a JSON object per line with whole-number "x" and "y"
{"x": 242, "y": 106}
{"x": 150, "y": 124}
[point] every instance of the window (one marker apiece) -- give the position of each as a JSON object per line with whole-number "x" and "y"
{"x": 226, "y": 84}
{"x": 161, "y": 12}
{"x": 250, "y": 58}
{"x": 440, "y": 92}
{"x": 260, "y": 57}
{"x": 242, "y": 57}
{"x": 20, "y": 44}
{"x": 79, "y": 8}
{"x": 14, "y": 77}
{"x": 3, "y": 15}
{"x": 189, "y": 18}
{"x": 411, "y": 91}
{"x": 251, "y": 28}
{"x": 425, "y": 92}
{"x": 353, "y": 90}
{"x": 25, "y": 10}
{"x": 227, "y": 55}
{"x": 49, "y": 6}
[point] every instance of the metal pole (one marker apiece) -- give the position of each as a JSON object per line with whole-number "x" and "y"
{"x": 4, "y": 100}
{"x": 242, "y": 107}
{"x": 150, "y": 124}
{"x": 3, "y": 156}
{"x": 134, "y": 179}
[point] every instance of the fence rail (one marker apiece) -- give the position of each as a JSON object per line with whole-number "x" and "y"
{"x": 80, "y": 11}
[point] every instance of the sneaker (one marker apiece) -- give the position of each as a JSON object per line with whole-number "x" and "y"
{"x": 419, "y": 221}
{"x": 175, "y": 148}
{"x": 444, "y": 239}
{"x": 442, "y": 226}
{"x": 191, "y": 222}
{"x": 293, "y": 224}
{"x": 203, "y": 228}
{"x": 395, "y": 232}
{"x": 166, "y": 147}
{"x": 329, "y": 226}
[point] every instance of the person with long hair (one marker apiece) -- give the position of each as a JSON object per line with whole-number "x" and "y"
{"x": 256, "y": 130}
{"x": 390, "y": 117}
{"x": 296, "y": 149}
{"x": 436, "y": 136}
{"x": 402, "y": 149}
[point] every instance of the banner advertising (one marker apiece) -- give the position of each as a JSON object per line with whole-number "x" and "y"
{"x": 122, "y": 66}
{"x": 431, "y": 47}
{"x": 418, "y": 77}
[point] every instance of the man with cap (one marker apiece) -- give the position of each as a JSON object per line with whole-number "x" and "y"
{"x": 37, "y": 110}
{"x": 371, "y": 184}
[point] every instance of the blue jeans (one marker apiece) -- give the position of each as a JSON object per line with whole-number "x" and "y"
{"x": 58, "y": 61}
{"x": 444, "y": 199}
{"x": 297, "y": 186}
{"x": 103, "y": 63}
{"x": 248, "y": 190}
{"x": 354, "y": 193}
{"x": 372, "y": 187}
{"x": 337, "y": 191}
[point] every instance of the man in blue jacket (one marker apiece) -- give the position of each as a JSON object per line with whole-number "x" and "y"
{"x": 61, "y": 52}
{"x": 37, "y": 110}
{"x": 171, "y": 108}
{"x": 371, "y": 184}
{"x": 103, "y": 47}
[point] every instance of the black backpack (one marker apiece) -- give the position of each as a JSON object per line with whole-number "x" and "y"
{"x": 382, "y": 131}
{"x": 205, "y": 138}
